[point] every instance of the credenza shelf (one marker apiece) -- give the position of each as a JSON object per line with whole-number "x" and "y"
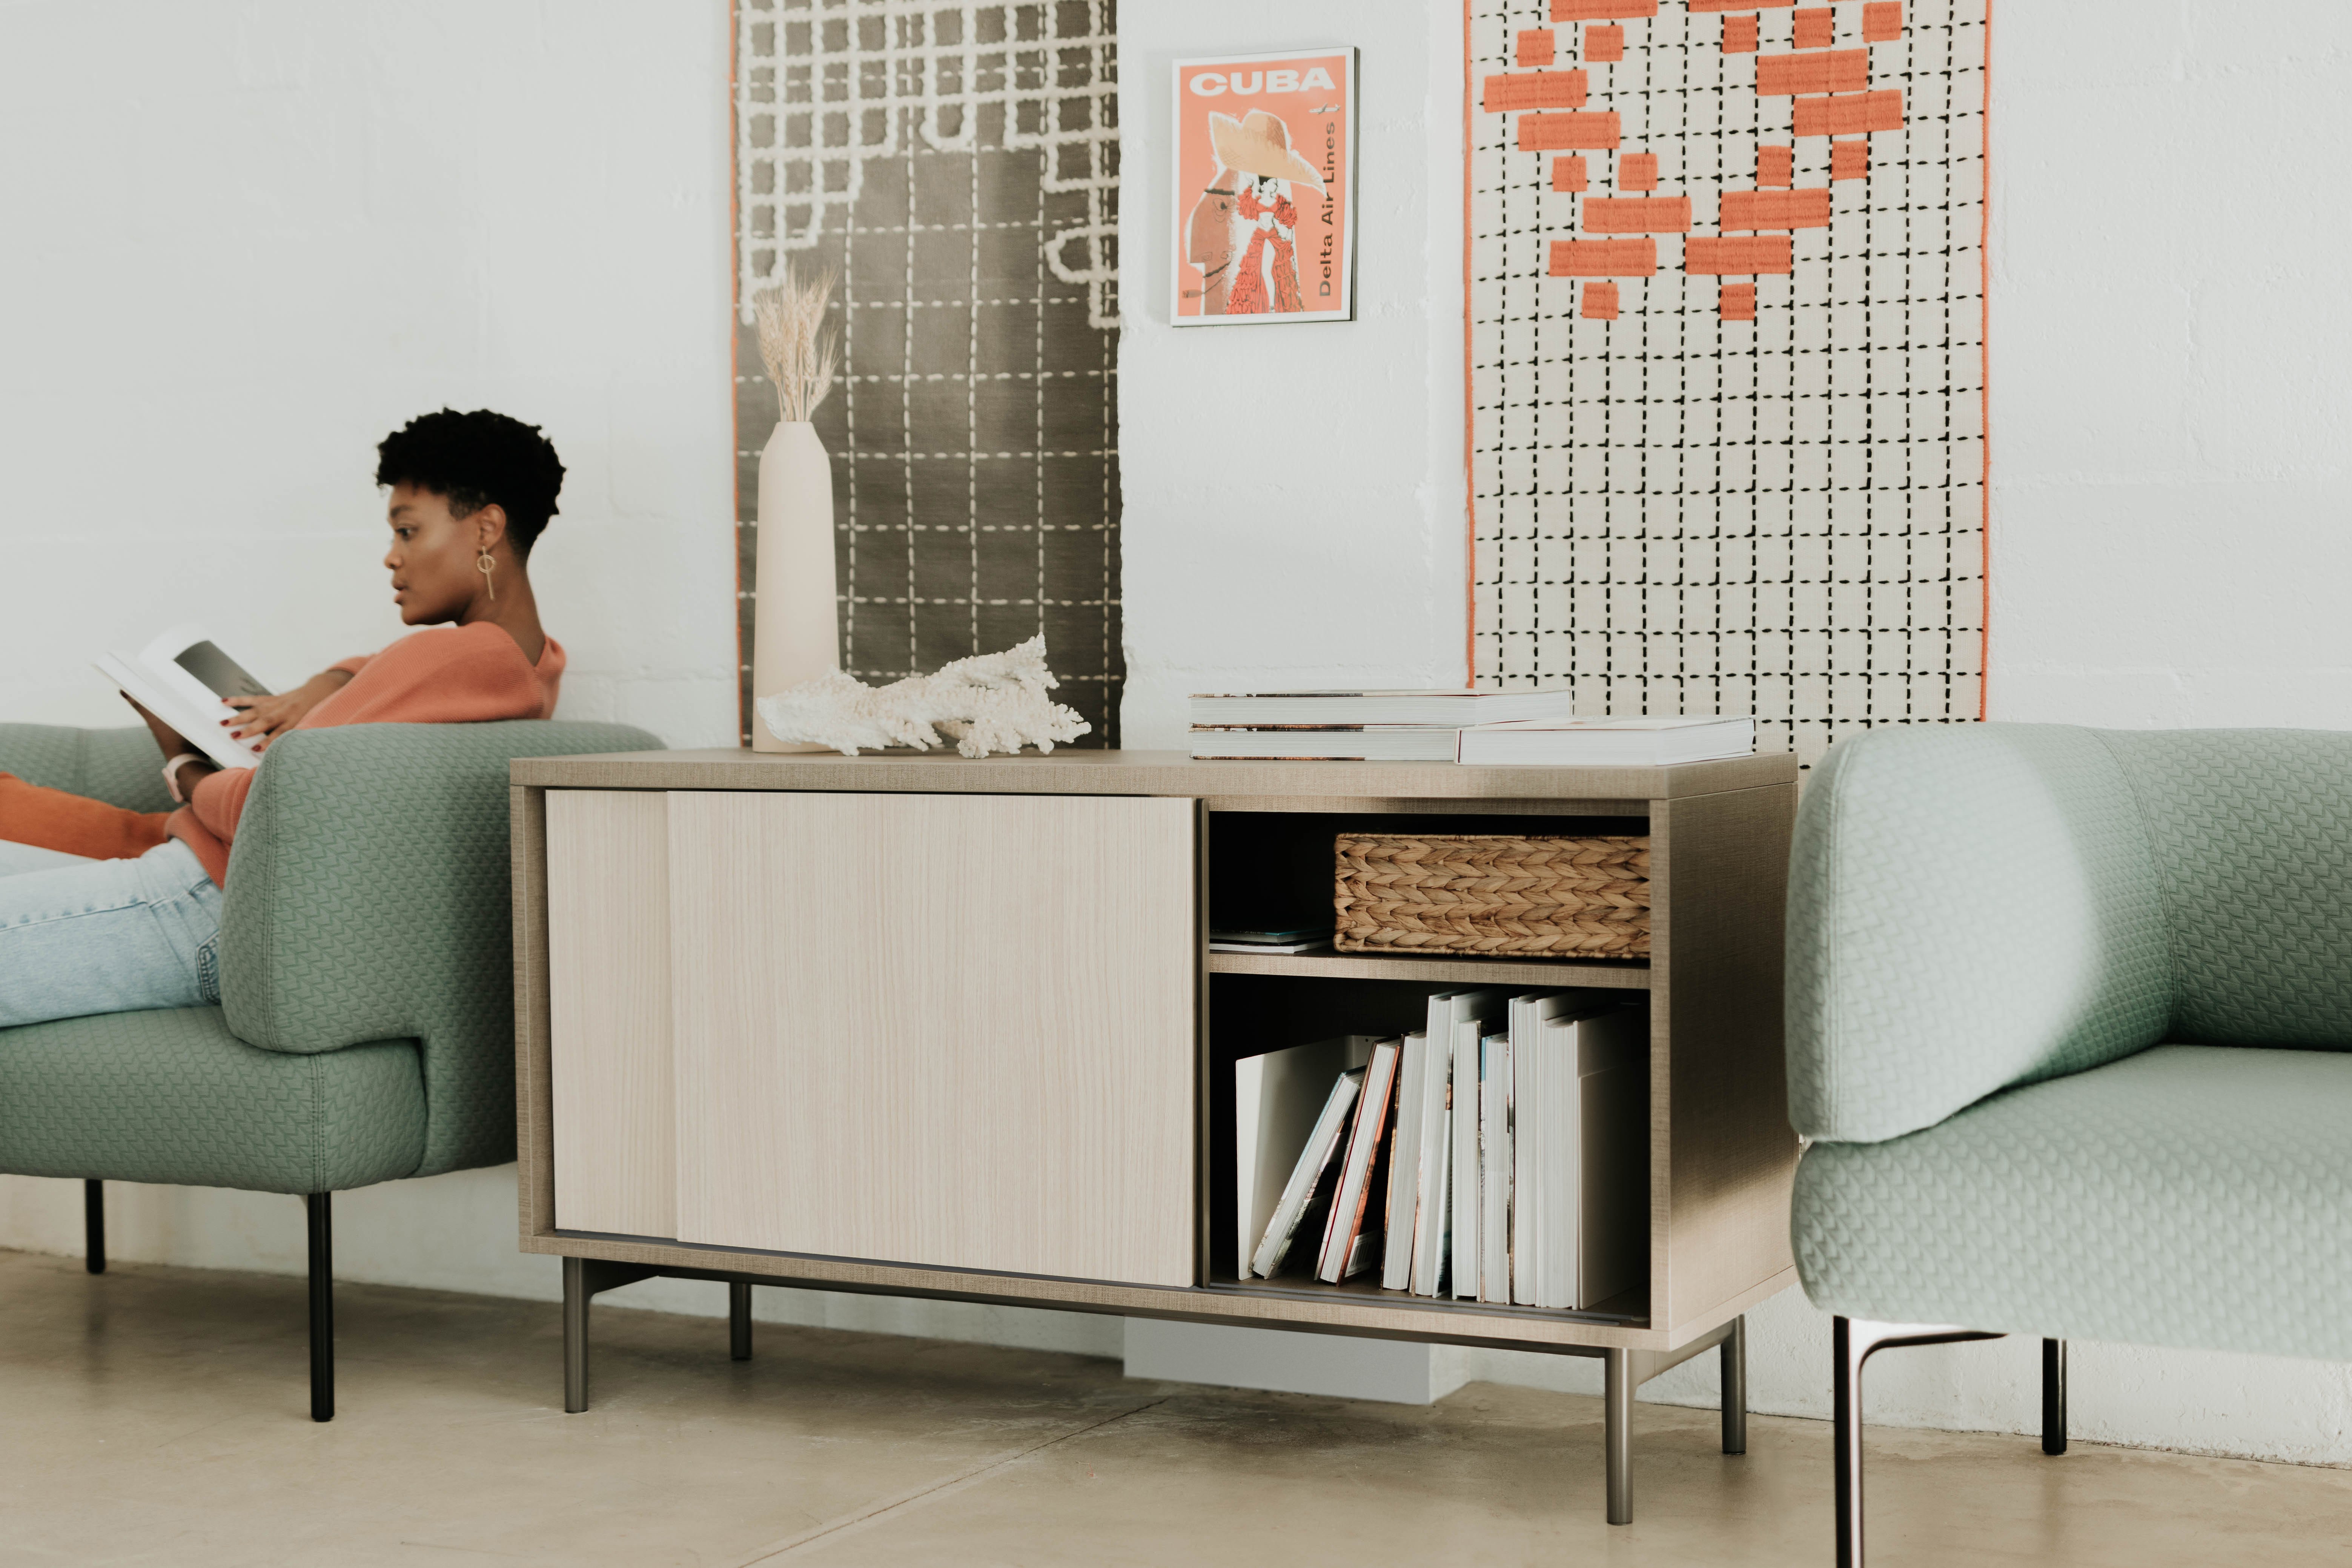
{"x": 700, "y": 938}
{"x": 1435, "y": 969}
{"x": 1630, "y": 1310}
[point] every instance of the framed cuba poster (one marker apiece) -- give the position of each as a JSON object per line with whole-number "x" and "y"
{"x": 1265, "y": 189}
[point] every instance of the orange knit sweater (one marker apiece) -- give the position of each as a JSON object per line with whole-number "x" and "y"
{"x": 446, "y": 675}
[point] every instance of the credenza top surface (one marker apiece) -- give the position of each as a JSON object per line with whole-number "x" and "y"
{"x": 1070, "y": 771}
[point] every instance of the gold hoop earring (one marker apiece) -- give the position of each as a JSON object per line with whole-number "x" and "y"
{"x": 486, "y": 565}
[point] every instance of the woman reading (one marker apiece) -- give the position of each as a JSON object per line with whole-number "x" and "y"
{"x": 108, "y": 910}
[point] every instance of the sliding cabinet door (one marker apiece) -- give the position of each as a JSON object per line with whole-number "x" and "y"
{"x": 945, "y": 1030}
{"x": 608, "y": 1011}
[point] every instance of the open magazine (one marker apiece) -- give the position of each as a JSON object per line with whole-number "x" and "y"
{"x": 181, "y": 677}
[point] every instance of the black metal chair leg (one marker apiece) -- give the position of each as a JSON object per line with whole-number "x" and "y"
{"x": 1853, "y": 1342}
{"x": 2053, "y": 1397}
{"x": 319, "y": 1208}
{"x": 739, "y": 1320}
{"x": 93, "y": 1226}
{"x": 1734, "y": 1352}
{"x": 1845, "y": 1401}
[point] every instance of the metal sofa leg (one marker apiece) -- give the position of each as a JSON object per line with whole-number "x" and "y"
{"x": 93, "y": 1226}
{"x": 1853, "y": 1342}
{"x": 319, "y": 1208}
{"x": 1734, "y": 1352}
{"x": 739, "y": 1320}
{"x": 1617, "y": 1435}
{"x": 2053, "y": 1397}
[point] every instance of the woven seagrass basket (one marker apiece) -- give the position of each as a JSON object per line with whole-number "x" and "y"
{"x": 1496, "y": 896}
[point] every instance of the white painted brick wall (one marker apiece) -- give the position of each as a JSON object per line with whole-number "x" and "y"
{"x": 243, "y": 241}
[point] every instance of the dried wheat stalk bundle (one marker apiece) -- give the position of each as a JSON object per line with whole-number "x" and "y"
{"x": 799, "y": 352}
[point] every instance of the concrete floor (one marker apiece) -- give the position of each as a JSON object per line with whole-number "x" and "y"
{"x": 158, "y": 1415}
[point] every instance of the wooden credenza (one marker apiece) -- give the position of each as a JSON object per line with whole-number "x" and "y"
{"x": 920, "y": 1026}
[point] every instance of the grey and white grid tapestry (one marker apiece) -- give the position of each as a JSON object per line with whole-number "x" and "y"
{"x": 1727, "y": 351}
{"x": 958, "y": 165}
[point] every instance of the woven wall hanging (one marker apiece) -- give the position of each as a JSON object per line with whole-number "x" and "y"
{"x": 958, "y": 165}
{"x": 1727, "y": 265}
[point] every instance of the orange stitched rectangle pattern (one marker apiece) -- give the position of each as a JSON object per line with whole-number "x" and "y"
{"x": 1737, "y": 258}
{"x": 1849, "y": 114}
{"x": 1739, "y": 34}
{"x": 1600, "y": 302}
{"x": 1536, "y": 90}
{"x": 1534, "y": 46}
{"x": 1776, "y": 166}
{"x": 1843, "y": 71}
{"x": 1570, "y": 173}
{"x": 1738, "y": 301}
{"x": 1849, "y": 160}
{"x": 1595, "y": 129}
{"x": 1815, "y": 27}
{"x": 1641, "y": 215}
{"x": 1776, "y": 209}
{"x": 1604, "y": 257}
{"x": 1604, "y": 45}
{"x": 1601, "y": 10}
{"x": 1700, "y": 7}
{"x": 1637, "y": 172}
{"x": 1882, "y": 22}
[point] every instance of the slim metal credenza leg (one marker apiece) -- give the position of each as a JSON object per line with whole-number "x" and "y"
{"x": 1617, "y": 1437}
{"x": 1734, "y": 1352}
{"x": 575, "y": 1335}
{"x": 2053, "y": 1397}
{"x": 739, "y": 1320}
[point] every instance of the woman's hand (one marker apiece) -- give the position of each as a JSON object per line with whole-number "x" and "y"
{"x": 165, "y": 736}
{"x": 263, "y": 718}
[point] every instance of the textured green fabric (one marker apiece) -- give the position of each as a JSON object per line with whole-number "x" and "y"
{"x": 1970, "y": 907}
{"x": 2252, "y": 834}
{"x": 122, "y": 767}
{"x": 368, "y": 899}
{"x": 2191, "y": 1195}
{"x": 173, "y": 1097}
{"x": 368, "y": 1025}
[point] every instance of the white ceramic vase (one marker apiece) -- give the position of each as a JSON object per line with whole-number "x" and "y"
{"x": 795, "y": 624}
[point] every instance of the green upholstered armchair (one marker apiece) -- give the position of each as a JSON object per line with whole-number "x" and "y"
{"x": 2068, "y": 1012}
{"x": 366, "y": 1030}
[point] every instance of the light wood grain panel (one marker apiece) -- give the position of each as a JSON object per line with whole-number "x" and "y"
{"x": 938, "y": 1029}
{"x": 611, "y": 1079}
{"x": 1723, "y": 1154}
{"x": 1149, "y": 774}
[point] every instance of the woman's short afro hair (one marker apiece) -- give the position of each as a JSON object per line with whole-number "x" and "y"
{"x": 474, "y": 459}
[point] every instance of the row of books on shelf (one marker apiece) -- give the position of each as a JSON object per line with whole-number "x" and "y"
{"x": 1492, "y": 729}
{"x": 1498, "y": 1154}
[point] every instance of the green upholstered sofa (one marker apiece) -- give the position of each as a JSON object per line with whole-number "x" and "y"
{"x": 2069, "y": 1013}
{"x": 366, "y": 1030}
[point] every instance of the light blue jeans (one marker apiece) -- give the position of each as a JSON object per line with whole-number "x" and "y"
{"x": 80, "y": 936}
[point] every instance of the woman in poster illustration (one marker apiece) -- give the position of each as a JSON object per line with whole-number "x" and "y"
{"x": 1257, "y": 271}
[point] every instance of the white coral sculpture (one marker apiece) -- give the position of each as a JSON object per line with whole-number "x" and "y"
{"x": 987, "y": 704}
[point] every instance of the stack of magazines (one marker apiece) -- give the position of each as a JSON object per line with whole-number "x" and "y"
{"x": 1527, "y": 729}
